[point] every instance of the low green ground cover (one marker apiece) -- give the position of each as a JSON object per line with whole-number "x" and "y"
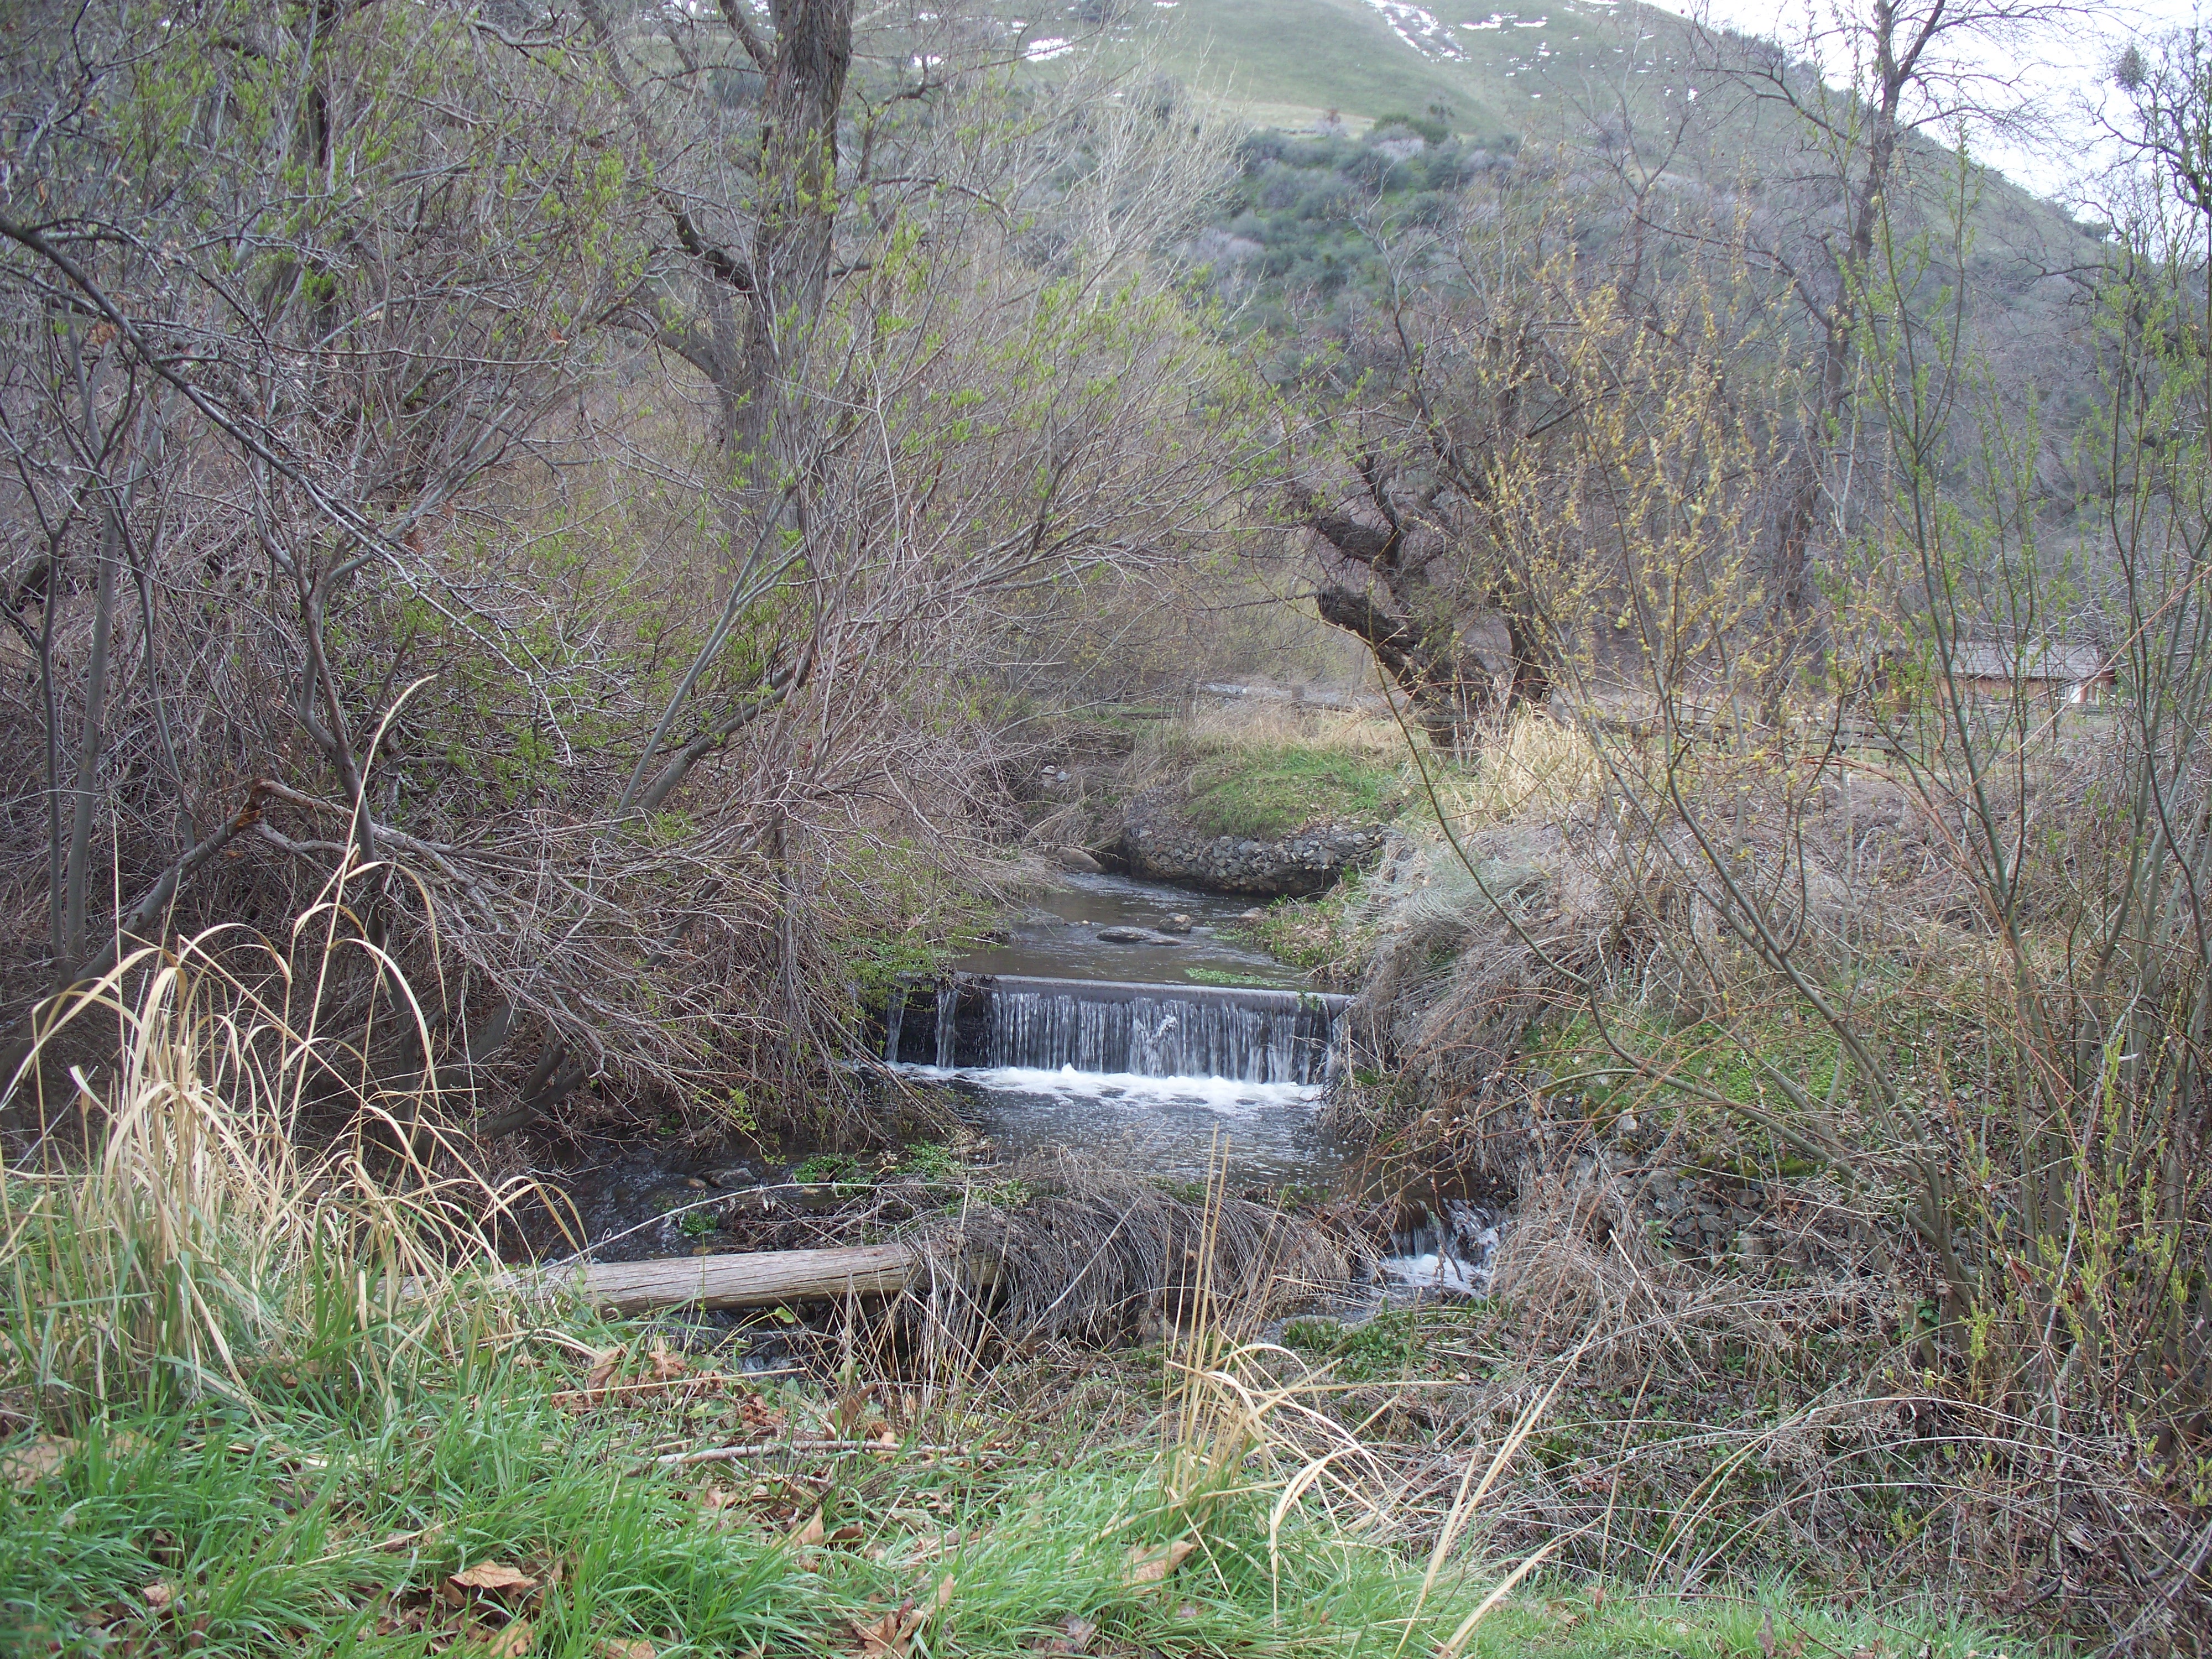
{"x": 512, "y": 1500}
{"x": 1265, "y": 790}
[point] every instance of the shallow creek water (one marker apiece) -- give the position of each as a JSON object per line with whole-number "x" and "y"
{"x": 1124, "y": 1019}
{"x": 1163, "y": 1051}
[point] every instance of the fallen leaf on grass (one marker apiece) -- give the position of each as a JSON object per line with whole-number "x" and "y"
{"x": 809, "y": 1534}
{"x": 159, "y": 1596}
{"x": 1076, "y": 1637}
{"x": 27, "y": 1465}
{"x": 603, "y": 1370}
{"x": 513, "y": 1642}
{"x": 493, "y": 1576}
{"x": 614, "y": 1649}
{"x": 1150, "y": 1565}
{"x": 125, "y": 1442}
{"x": 666, "y": 1364}
{"x": 893, "y": 1633}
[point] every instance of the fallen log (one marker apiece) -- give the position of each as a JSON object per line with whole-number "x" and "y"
{"x": 758, "y": 1278}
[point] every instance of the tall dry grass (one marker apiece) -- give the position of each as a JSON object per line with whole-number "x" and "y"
{"x": 1370, "y": 734}
{"x": 1246, "y": 1418}
{"x": 239, "y": 1189}
{"x": 1533, "y": 768}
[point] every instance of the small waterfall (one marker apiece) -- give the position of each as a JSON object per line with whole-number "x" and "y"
{"x": 1453, "y": 1251}
{"x": 894, "y": 1016}
{"x": 948, "y": 1025}
{"x": 1007, "y": 1021}
{"x": 1250, "y": 1036}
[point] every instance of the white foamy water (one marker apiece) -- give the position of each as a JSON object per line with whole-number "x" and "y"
{"x": 1177, "y": 1126}
{"x": 1228, "y": 1095}
{"x": 1455, "y": 1252}
{"x": 1432, "y": 1272}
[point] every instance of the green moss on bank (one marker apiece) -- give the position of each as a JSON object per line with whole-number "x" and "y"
{"x": 1267, "y": 791}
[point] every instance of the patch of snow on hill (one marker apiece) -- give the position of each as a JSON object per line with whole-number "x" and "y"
{"x": 1417, "y": 28}
{"x": 1508, "y": 20}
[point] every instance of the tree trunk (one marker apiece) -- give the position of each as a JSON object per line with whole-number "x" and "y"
{"x": 1447, "y": 687}
{"x": 797, "y": 207}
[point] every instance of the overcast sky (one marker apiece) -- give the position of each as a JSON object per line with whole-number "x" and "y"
{"x": 2057, "y": 79}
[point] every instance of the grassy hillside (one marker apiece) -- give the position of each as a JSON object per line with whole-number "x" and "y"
{"x": 1375, "y": 114}
{"x": 1291, "y": 63}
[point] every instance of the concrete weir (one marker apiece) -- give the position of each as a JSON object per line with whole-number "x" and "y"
{"x": 1247, "y": 1034}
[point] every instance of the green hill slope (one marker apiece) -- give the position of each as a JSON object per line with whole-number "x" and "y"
{"x": 1291, "y": 62}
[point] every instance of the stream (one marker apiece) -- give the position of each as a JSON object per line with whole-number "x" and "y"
{"x": 1126, "y": 1020}
{"x": 1130, "y": 1020}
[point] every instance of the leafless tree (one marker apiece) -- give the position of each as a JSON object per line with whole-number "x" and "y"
{"x": 1878, "y": 95}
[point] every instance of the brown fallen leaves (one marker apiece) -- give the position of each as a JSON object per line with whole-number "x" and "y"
{"x": 492, "y": 1575}
{"x": 482, "y": 1606}
{"x": 669, "y": 1379}
{"x": 1075, "y": 1638}
{"x": 892, "y": 1635}
{"x": 603, "y": 1370}
{"x": 1151, "y": 1565}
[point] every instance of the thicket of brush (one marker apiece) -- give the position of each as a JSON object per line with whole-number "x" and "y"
{"x": 395, "y": 457}
{"x": 1909, "y": 995}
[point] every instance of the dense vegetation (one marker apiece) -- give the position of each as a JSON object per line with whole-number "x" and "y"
{"x": 543, "y": 553}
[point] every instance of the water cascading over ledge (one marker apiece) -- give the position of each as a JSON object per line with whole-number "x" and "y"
{"x": 1248, "y": 1035}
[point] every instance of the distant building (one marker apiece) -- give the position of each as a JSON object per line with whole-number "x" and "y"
{"x": 2078, "y": 674}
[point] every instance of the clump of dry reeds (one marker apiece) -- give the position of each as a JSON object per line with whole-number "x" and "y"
{"x": 172, "y": 1230}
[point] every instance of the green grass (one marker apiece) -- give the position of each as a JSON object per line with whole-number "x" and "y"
{"x": 932, "y": 1160}
{"x": 329, "y": 1519}
{"x": 821, "y": 1169}
{"x": 1319, "y": 935}
{"x": 1265, "y": 791}
{"x": 1287, "y": 62}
